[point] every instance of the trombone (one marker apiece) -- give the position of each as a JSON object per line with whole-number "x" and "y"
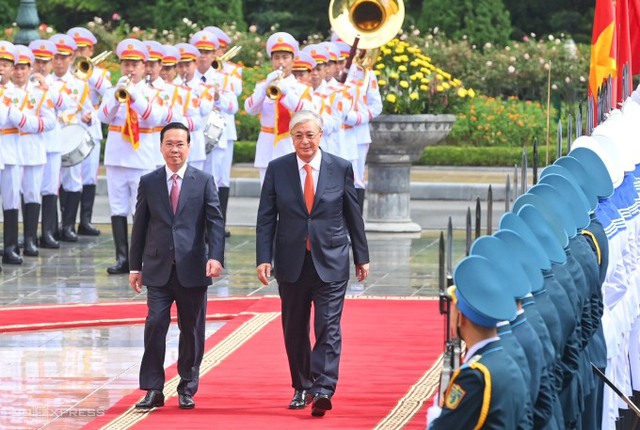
{"x": 273, "y": 92}
{"x": 82, "y": 67}
{"x": 122, "y": 94}
{"x": 217, "y": 63}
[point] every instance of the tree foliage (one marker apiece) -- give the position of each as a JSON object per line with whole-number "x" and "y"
{"x": 482, "y": 21}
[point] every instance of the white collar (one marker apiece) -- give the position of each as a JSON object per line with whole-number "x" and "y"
{"x": 314, "y": 163}
{"x": 180, "y": 172}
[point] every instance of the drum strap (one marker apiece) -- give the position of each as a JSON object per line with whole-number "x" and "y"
{"x": 83, "y": 98}
{"x": 25, "y": 101}
{"x": 186, "y": 103}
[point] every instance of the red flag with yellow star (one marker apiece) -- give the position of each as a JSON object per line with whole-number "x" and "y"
{"x": 603, "y": 45}
{"x": 634, "y": 17}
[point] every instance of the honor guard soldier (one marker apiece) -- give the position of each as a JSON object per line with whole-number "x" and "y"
{"x": 44, "y": 51}
{"x": 11, "y": 154}
{"x": 275, "y": 99}
{"x": 79, "y": 112}
{"x": 39, "y": 114}
{"x": 488, "y": 390}
{"x": 132, "y": 111}
{"x": 99, "y": 81}
{"x": 170, "y": 58}
{"x": 222, "y": 154}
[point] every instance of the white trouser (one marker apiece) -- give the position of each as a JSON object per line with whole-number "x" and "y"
{"x": 122, "y": 187}
{"x": 72, "y": 178}
{"x": 222, "y": 161}
{"x": 32, "y": 183}
{"x": 263, "y": 173}
{"x": 11, "y": 186}
{"x": 363, "y": 149}
{"x": 51, "y": 174}
{"x": 198, "y": 164}
{"x": 90, "y": 165}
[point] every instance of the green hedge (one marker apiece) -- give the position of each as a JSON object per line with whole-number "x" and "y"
{"x": 244, "y": 152}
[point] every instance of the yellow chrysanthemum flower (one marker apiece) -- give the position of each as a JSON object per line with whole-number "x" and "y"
{"x": 376, "y": 72}
{"x": 380, "y": 66}
{"x": 394, "y": 75}
{"x": 413, "y": 77}
{"x": 414, "y": 96}
{"x": 391, "y": 98}
{"x": 424, "y": 87}
{"x": 404, "y": 84}
{"x": 439, "y": 88}
{"x": 397, "y": 59}
{"x": 462, "y": 93}
{"x": 400, "y": 49}
{"x": 446, "y": 85}
{"x": 471, "y": 93}
{"x": 402, "y": 68}
{"x": 382, "y": 82}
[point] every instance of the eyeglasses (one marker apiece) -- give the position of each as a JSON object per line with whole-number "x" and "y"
{"x": 178, "y": 146}
{"x": 299, "y": 137}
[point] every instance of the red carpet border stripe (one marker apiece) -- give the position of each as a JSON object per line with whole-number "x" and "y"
{"x": 211, "y": 359}
{"x": 413, "y": 401}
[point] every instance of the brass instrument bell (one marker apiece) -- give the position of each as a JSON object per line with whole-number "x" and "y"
{"x": 374, "y": 22}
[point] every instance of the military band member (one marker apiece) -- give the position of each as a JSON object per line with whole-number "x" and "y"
{"x": 11, "y": 154}
{"x": 99, "y": 82}
{"x": 80, "y": 112}
{"x": 132, "y": 111}
{"x": 44, "y": 51}
{"x": 488, "y": 390}
{"x": 38, "y": 109}
{"x": 276, "y": 108}
{"x": 333, "y": 71}
{"x": 170, "y": 58}
{"x": 198, "y": 102}
{"x": 152, "y": 68}
{"x": 222, "y": 154}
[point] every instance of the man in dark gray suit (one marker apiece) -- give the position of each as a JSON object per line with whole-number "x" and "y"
{"x": 309, "y": 207}
{"x": 177, "y": 208}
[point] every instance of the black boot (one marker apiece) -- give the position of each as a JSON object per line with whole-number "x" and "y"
{"x": 49, "y": 222}
{"x": 68, "y": 232}
{"x": 120, "y": 238}
{"x": 62, "y": 199}
{"x": 360, "y": 194}
{"x": 86, "y": 210}
{"x": 11, "y": 254}
{"x": 223, "y": 194}
{"x": 30, "y": 226}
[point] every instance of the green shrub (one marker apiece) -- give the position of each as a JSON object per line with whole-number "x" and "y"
{"x": 244, "y": 151}
{"x": 487, "y": 121}
{"x": 474, "y": 156}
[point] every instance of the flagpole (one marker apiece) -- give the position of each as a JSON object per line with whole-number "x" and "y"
{"x": 548, "y": 112}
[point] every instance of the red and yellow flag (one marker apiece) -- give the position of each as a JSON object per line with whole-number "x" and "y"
{"x": 131, "y": 128}
{"x": 281, "y": 123}
{"x": 603, "y": 45}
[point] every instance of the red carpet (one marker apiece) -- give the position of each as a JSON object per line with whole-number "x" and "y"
{"x": 389, "y": 346}
{"x": 38, "y": 317}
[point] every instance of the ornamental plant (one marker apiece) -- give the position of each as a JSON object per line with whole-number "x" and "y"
{"x": 410, "y": 84}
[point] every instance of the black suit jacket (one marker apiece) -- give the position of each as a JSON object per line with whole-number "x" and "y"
{"x": 158, "y": 236}
{"x": 335, "y": 216}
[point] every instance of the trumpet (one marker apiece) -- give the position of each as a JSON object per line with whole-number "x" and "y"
{"x": 273, "y": 92}
{"x": 122, "y": 94}
{"x": 217, "y": 63}
{"x": 82, "y": 67}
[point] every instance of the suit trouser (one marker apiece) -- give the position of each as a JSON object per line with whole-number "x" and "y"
{"x": 192, "y": 310}
{"x": 315, "y": 370}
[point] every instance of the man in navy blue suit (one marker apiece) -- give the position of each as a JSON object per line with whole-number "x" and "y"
{"x": 308, "y": 213}
{"x": 177, "y": 208}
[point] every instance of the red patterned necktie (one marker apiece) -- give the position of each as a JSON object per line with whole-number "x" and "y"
{"x": 308, "y": 195}
{"x": 175, "y": 192}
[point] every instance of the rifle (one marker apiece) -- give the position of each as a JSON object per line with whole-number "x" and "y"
{"x": 616, "y": 390}
{"x": 452, "y": 345}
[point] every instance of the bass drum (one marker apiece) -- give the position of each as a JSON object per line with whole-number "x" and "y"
{"x": 77, "y": 144}
{"x": 213, "y": 130}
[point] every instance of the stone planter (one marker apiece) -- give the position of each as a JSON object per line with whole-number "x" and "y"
{"x": 396, "y": 142}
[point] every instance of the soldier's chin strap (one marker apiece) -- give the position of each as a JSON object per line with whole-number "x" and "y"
{"x": 615, "y": 389}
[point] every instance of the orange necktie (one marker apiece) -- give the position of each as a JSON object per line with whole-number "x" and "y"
{"x": 308, "y": 195}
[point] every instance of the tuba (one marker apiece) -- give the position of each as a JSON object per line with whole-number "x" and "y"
{"x": 82, "y": 67}
{"x": 373, "y": 22}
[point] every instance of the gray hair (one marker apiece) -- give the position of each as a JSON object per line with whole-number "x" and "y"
{"x": 305, "y": 116}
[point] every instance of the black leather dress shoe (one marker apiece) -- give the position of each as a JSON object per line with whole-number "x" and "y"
{"x": 186, "y": 401}
{"x": 153, "y": 399}
{"x": 299, "y": 400}
{"x": 321, "y": 404}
